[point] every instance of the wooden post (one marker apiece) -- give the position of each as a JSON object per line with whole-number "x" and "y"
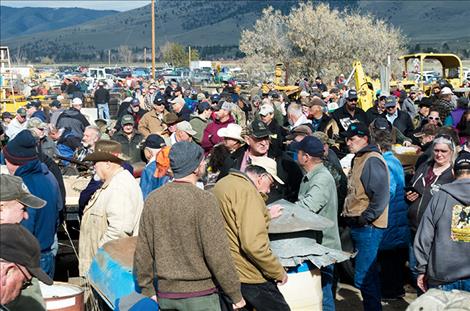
{"x": 189, "y": 57}
{"x": 145, "y": 57}
{"x": 153, "y": 39}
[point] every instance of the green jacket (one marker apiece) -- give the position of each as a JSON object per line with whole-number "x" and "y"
{"x": 317, "y": 193}
{"x": 199, "y": 125}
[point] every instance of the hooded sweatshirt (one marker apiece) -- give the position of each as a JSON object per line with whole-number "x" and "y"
{"x": 42, "y": 222}
{"x": 442, "y": 243}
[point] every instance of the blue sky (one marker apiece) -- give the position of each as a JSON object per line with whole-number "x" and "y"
{"x": 96, "y": 5}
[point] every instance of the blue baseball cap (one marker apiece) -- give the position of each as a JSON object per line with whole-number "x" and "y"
{"x": 312, "y": 146}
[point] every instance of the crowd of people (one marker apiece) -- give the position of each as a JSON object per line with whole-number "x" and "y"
{"x": 190, "y": 173}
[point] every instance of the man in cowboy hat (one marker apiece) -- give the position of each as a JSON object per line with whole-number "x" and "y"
{"x": 114, "y": 210}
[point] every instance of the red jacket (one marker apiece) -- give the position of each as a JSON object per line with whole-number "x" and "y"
{"x": 210, "y": 137}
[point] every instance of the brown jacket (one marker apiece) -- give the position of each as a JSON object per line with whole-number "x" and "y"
{"x": 246, "y": 223}
{"x": 151, "y": 124}
{"x": 357, "y": 200}
{"x": 182, "y": 243}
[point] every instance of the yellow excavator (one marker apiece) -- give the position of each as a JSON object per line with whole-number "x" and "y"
{"x": 366, "y": 87}
{"x": 279, "y": 85}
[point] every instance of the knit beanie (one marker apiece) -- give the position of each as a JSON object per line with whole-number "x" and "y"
{"x": 185, "y": 157}
{"x": 21, "y": 149}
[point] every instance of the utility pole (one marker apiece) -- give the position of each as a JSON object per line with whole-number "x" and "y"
{"x": 189, "y": 57}
{"x": 145, "y": 57}
{"x": 153, "y": 39}
{"x": 109, "y": 57}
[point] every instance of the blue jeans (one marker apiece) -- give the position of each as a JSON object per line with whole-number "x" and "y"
{"x": 366, "y": 278}
{"x": 103, "y": 111}
{"x": 47, "y": 262}
{"x": 327, "y": 281}
{"x": 463, "y": 284}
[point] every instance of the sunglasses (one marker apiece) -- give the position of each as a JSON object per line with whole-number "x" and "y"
{"x": 27, "y": 281}
{"x": 434, "y": 118}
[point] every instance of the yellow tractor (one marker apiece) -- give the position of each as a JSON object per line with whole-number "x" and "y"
{"x": 414, "y": 73}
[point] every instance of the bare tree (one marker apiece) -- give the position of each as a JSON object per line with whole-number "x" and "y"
{"x": 317, "y": 40}
{"x": 125, "y": 54}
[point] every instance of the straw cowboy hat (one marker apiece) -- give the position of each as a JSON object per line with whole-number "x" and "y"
{"x": 233, "y": 131}
{"x": 107, "y": 150}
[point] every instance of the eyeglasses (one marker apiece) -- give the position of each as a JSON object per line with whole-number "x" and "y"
{"x": 27, "y": 281}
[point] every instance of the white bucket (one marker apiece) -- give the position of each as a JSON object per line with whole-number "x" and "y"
{"x": 63, "y": 297}
{"x": 303, "y": 291}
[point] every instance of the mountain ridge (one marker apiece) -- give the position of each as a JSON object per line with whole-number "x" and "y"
{"x": 219, "y": 24}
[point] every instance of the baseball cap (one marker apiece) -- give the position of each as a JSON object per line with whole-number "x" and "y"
{"x": 258, "y": 129}
{"x": 13, "y": 188}
{"x": 7, "y": 115}
{"x": 357, "y": 129}
{"x": 127, "y": 119}
{"x": 203, "y": 106}
{"x": 425, "y": 102}
{"x": 200, "y": 96}
{"x": 21, "y": 112}
{"x": 463, "y": 161}
{"x": 177, "y": 100}
{"x": 311, "y": 145}
{"x": 36, "y": 123}
{"x": 55, "y": 103}
{"x": 352, "y": 94}
{"x": 159, "y": 100}
{"x": 215, "y": 98}
{"x": 304, "y": 130}
{"x": 77, "y": 101}
{"x": 135, "y": 102}
{"x": 18, "y": 245}
{"x": 226, "y": 106}
{"x": 154, "y": 141}
{"x": 427, "y": 129}
{"x": 269, "y": 165}
{"x": 446, "y": 91}
{"x": 34, "y": 103}
{"x": 266, "y": 109}
{"x": 390, "y": 101}
{"x": 382, "y": 124}
{"x": 185, "y": 126}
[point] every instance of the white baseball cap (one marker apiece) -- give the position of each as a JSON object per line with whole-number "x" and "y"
{"x": 185, "y": 126}
{"x": 446, "y": 91}
{"x": 77, "y": 101}
{"x": 266, "y": 109}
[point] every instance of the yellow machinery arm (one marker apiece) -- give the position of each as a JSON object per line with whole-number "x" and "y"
{"x": 364, "y": 86}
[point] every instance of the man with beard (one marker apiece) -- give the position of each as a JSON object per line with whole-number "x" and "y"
{"x": 347, "y": 114}
{"x": 90, "y": 136}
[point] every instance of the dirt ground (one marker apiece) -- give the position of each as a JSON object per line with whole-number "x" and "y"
{"x": 348, "y": 298}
